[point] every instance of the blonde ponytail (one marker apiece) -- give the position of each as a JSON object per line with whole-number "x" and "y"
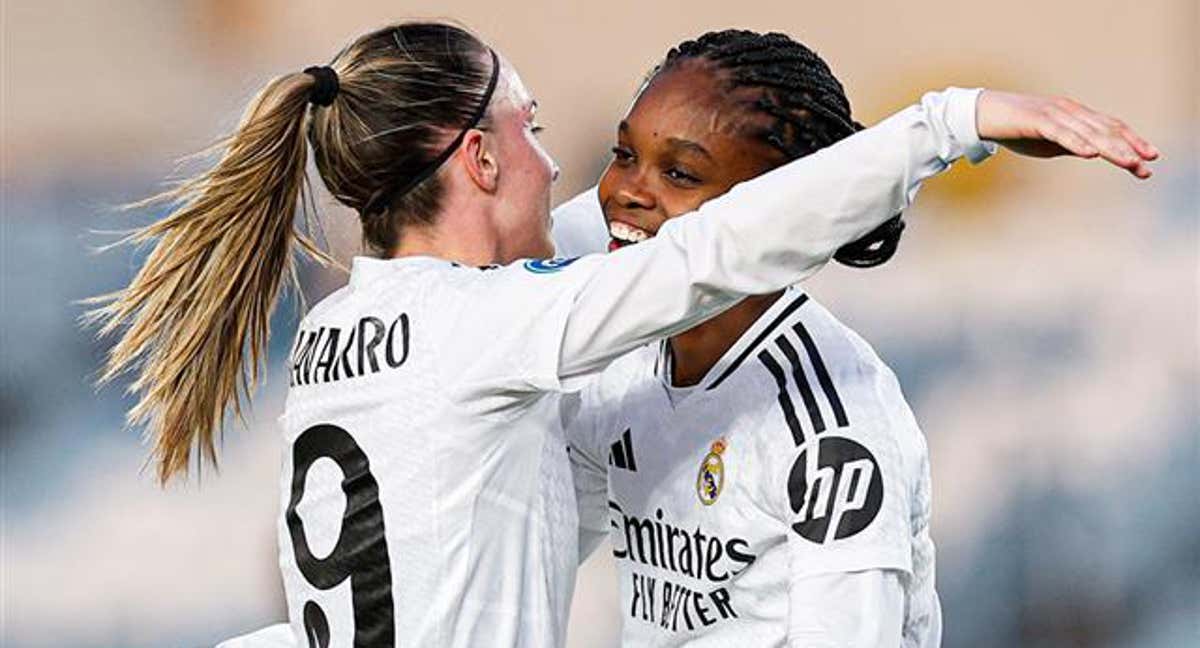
{"x": 195, "y": 320}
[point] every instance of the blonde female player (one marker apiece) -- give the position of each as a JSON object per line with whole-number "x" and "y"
{"x": 760, "y": 476}
{"x": 426, "y": 493}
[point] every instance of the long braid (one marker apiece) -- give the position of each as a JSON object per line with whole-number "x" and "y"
{"x": 806, "y": 102}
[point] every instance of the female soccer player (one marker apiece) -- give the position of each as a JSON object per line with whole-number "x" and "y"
{"x": 761, "y": 478}
{"x": 426, "y": 492}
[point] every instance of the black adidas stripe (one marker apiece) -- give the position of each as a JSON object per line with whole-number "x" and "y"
{"x": 785, "y": 399}
{"x": 627, "y": 438}
{"x": 839, "y": 412}
{"x": 799, "y": 301}
{"x": 621, "y": 452}
{"x": 616, "y": 455}
{"x": 810, "y": 401}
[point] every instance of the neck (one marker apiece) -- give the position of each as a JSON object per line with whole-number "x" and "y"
{"x": 696, "y": 350}
{"x": 460, "y": 232}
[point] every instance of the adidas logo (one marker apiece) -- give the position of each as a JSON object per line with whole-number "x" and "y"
{"x": 621, "y": 454}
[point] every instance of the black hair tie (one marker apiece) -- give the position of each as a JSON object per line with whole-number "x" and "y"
{"x": 876, "y": 248}
{"x": 326, "y": 87}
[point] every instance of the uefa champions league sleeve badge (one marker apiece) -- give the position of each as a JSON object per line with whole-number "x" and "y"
{"x": 547, "y": 266}
{"x": 711, "y": 478}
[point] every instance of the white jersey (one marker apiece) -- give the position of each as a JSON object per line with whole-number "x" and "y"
{"x": 579, "y": 226}
{"x": 426, "y": 492}
{"x": 731, "y": 505}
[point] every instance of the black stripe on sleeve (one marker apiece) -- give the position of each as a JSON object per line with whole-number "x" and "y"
{"x": 761, "y": 336}
{"x": 810, "y": 401}
{"x": 785, "y": 400}
{"x": 839, "y": 412}
{"x": 616, "y": 455}
{"x": 627, "y": 441}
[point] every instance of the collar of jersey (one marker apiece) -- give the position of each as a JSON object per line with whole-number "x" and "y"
{"x": 736, "y": 355}
{"x": 365, "y": 270}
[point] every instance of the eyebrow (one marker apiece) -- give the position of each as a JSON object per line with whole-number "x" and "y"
{"x": 674, "y": 142}
{"x": 688, "y": 145}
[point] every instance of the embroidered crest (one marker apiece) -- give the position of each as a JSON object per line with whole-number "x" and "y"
{"x": 711, "y": 478}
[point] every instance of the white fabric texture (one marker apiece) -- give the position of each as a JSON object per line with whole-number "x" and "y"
{"x": 889, "y": 569}
{"x": 426, "y": 491}
{"x": 815, "y": 532}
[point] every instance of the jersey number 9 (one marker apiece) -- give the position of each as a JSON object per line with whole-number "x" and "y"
{"x": 360, "y": 553}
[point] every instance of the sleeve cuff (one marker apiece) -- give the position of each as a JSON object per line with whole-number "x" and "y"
{"x": 960, "y": 118}
{"x": 890, "y": 556}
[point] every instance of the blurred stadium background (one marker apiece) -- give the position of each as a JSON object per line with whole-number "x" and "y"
{"x": 1042, "y": 316}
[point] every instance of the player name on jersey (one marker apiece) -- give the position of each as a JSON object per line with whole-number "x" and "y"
{"x": 330, "y": 353}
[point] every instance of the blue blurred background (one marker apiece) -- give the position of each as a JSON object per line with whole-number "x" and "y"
{"x": 1041, "y": 315}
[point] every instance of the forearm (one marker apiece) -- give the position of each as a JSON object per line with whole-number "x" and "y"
{"x": 781, "y": 227}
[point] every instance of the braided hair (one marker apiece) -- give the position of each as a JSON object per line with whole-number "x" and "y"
{"x": 805, "y": 101}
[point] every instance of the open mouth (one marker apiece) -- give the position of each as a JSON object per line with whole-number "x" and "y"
{"x": 623, "y": 234}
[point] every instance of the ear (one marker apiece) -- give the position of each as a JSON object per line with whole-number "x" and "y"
{"x": 480, "y": 160}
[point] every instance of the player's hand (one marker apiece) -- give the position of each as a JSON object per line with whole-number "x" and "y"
{"x": 1052, "y": 126}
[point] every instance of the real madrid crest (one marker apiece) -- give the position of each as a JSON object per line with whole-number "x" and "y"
{"x": 711, "y": 478}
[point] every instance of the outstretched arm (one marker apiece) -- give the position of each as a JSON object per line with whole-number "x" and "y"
{"x": 783, "y": 226}
{"x": 1026, "y": 124}
{"x": 764, "y": 234}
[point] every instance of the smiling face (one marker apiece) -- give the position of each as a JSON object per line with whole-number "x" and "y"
{"x": 688, "y": 138}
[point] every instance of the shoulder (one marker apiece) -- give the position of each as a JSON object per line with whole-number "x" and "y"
{"x": 833, "y": 396}
{"x": 463, "y": 295}
{"x": 871, "y": 395}
{"x": 840, "y": 345}
{"x": 846, "y": 375}
{"x": 532, "y": 276}
{"x": 833, "y": 463}
{"x": 327, "y": 307}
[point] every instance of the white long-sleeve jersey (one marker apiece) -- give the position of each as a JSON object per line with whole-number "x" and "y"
{"x": 873, "y": 591}
{"x": 782, "y": 501}
{"x": 426, "y": 491}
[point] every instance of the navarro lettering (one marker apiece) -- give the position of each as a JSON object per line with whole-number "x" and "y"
{"x": 331, "y": 353}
